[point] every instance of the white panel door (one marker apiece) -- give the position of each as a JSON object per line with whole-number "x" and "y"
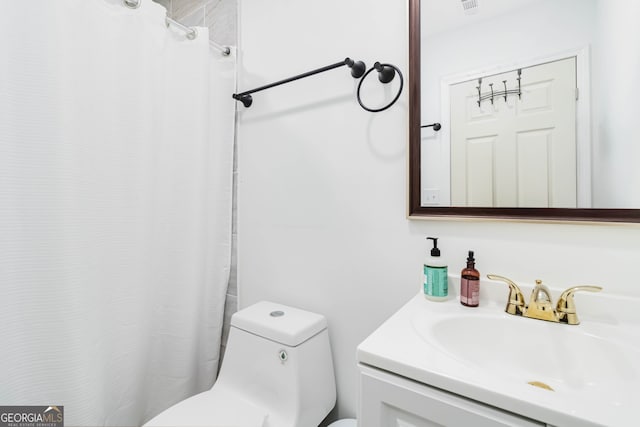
{"x": 516, "y": 152}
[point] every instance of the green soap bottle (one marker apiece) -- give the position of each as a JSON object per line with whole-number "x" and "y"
{"x": 436, "y": 280}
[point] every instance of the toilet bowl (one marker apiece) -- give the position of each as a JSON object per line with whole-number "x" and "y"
{"x": 277, "y": 372}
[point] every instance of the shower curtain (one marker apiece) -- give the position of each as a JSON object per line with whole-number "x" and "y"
{"x": 116, "y": 138}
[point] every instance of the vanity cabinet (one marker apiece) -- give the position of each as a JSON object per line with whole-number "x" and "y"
{"x": 388, "y": 400}
{"x": 443, "y": 364}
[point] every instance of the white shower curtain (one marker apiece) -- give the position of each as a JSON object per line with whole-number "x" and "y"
{"x": 116, "y": 138}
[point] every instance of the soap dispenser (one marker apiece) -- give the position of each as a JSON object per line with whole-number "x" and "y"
{"x": 436, "y": 280}
{"x": 470, "y": 283}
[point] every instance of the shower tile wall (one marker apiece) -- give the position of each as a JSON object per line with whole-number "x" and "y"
{"x": 220, "y": 17}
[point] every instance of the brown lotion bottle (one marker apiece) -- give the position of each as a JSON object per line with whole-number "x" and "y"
{"x": 470, "y": 283}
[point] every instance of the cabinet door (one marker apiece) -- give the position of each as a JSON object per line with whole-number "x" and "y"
{"x": 388, "y": 400}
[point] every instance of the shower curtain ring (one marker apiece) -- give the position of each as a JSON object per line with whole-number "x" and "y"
{"x": 132, "y": 4}
{"x": 192, "y": 34}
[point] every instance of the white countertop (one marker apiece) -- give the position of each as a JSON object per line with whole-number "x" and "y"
{"x": 404, "y": 345}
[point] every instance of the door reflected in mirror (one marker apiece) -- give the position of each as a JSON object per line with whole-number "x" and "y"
{"x": 538, "y": 101}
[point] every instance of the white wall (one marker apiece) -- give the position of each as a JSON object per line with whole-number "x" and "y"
{"x": 322, "y": 186}
{"x": 615, "y": 105}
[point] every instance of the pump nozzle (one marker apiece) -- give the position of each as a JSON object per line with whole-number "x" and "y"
{"x": 434, "y": 251}
{"x": 470, "y": 258}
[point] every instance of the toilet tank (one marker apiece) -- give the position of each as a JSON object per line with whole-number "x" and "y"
{"x": 279, "y": 357}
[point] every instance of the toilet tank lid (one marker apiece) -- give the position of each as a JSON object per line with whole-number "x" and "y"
{"x": 286, "y": 325}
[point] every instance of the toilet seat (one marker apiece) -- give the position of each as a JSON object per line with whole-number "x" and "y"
{"x": 213, "y": 408}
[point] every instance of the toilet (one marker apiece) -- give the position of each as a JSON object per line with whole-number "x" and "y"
{"x": 277, "y": 372}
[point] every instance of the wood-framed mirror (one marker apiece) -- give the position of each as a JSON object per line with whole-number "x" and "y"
{"x": 615, "y": 116}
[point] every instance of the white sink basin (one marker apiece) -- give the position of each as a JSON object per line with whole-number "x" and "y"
{"x": 566, "y": 358}
{"x": 592, "y": 370}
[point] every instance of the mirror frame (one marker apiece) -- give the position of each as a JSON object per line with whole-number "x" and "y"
{"x": 416, "y": 211}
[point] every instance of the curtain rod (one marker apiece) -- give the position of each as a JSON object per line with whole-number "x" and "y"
{"x": 190, "y": 32}
{"x": 225, "y": 50}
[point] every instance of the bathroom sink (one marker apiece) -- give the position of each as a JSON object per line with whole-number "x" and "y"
{"x": 562, "y": 357}
{"x": 558, "y": 374}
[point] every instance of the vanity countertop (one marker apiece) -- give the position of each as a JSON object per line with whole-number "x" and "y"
{"x": 490, "y": 356}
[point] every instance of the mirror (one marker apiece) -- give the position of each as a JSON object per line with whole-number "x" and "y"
{"x": 574, "y": 58}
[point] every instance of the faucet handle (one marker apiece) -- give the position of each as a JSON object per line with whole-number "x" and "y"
{"x": 566, "y": 307}
{"x": 515, "y": 303}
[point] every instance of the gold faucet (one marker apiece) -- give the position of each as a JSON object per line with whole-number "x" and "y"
{"x": 541, "y": 305}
